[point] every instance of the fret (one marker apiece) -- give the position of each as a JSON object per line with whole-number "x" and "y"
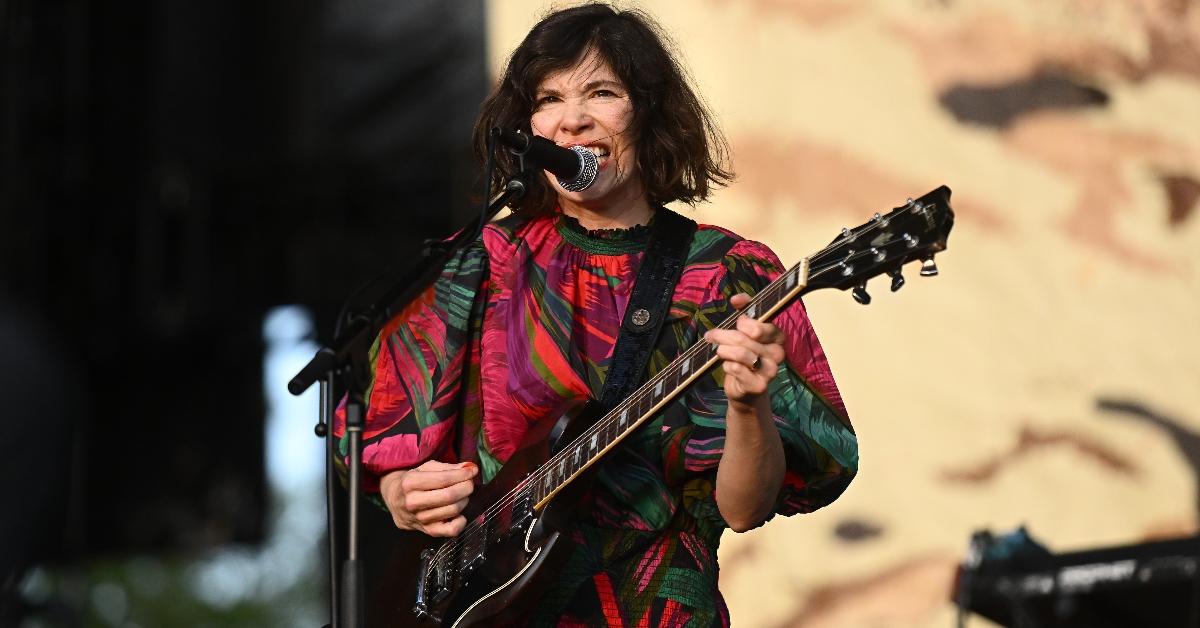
{"x": 623, "y": 422}
{"x": 671, "y": 378}
{"x": 562, "y": 471}
{"x": 686, "y": 366}
{"x": 639, "y": 407}
{"x": 658, "y": 390}
{"x": 593, "y": 443}
{"x": 578, "y": 456}
{"x": 792, "y": 276}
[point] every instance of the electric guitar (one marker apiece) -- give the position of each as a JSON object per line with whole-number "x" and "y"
{"x": 511, "y": 543}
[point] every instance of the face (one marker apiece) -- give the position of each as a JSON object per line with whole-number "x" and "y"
{"x": 587, "y": 105}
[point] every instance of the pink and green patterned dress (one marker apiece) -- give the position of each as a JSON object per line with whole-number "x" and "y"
{"x": 523, "y": 321}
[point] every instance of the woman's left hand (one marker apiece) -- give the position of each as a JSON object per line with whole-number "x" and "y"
{"x": 751, "y": 353}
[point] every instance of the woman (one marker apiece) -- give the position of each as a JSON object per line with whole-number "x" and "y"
{"x": 524, "y": 321}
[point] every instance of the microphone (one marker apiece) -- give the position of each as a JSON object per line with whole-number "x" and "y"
{"x": 575, "y": 167}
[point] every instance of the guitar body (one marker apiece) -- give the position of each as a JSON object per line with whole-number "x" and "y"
{"x": 507, "y": 555}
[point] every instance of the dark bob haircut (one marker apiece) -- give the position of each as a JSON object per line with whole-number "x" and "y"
{"x": 680, "y": 151}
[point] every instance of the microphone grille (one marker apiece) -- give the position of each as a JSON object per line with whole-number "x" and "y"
{"x": 589, "y": 167}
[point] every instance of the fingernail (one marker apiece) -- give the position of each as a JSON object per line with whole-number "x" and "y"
{"x": 470, "y": 466}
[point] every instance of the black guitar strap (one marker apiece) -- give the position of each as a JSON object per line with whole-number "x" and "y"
{"x": 670, "y": 237}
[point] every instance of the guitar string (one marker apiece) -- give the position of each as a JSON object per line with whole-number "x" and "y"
{"x": 765, "y": 295}
{"x": 478, "y": 526}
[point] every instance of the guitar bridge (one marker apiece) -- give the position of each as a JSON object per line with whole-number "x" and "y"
{"x": 433, "y": 585}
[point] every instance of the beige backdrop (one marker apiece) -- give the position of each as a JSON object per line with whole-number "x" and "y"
{"x": 1071, "y": 277}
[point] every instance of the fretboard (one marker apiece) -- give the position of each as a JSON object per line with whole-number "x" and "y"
{"x": 639, "y": 407}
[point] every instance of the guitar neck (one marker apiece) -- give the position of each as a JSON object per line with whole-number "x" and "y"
{"x": 915, "y": 231}
{"x": 574, "y": 459}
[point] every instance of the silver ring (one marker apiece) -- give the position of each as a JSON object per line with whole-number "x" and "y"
{"x": 757, "y": 363}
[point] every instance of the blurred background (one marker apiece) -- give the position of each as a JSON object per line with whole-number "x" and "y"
{"x": 191, "y": 192}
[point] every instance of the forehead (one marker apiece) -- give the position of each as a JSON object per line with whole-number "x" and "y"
{"x": 590, "y": 69}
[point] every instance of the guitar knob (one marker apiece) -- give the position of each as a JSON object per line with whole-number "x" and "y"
{"x": 897, "y": 279}
{"x": 860, "y": 294}
{"x": 928, "y": 267}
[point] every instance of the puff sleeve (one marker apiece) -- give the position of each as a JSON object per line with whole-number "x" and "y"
{"x": 421, "y": 365}
{"x": 820, "y": 446}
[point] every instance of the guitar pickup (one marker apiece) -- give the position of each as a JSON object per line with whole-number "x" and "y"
{"x": 475, "y": 544}
{"x": 522, "y": 513}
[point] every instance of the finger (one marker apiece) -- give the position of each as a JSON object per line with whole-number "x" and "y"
{"x": 735, "y": 338}
{"x": 766, "y": 371}
{"x": 421, "y": 480}
{"x": 438, "y": 465}
{"x": 739, "y": 300}
{"x": 425, "y": 500}
{"x": 742, "y": 355}
{"x": 760, "y": 331}
{"x": 449, "y": 528}
{"x": 769, "y": 345}
{"x": 442, "y": 513}
{"x": 744, "y": 385}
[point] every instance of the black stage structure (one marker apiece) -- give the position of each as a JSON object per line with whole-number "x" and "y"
{"x": 169, "y": 172}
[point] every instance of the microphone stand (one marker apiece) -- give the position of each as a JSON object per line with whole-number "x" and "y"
{"x": 347, "y": 359}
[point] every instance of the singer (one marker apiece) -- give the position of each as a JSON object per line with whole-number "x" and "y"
{"x": 525, "y": 321}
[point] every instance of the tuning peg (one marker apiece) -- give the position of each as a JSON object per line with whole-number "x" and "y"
{"x": 897, "y": 279}
{"x": 928, "y": 267}
{"x": 909, "y": 241}
{"x": 860, "y": 294}
{"x": 877, "y": 254}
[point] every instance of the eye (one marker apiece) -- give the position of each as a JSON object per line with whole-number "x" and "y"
{"x": 604, "y": 93}
{"x": 544, "y": 100}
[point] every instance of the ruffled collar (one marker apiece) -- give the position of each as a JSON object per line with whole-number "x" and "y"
{"x": 604, "y": 241}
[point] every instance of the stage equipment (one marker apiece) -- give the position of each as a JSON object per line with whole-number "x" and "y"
{"x": 1015, "y": 581}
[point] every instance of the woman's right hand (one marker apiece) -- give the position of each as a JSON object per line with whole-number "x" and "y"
{"x": 429, "y": 498}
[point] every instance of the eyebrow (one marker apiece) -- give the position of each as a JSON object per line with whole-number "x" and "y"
{"x": 589, "y": 86}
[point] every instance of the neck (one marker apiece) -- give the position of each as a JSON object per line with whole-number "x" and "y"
{"x": 623, "y": 216}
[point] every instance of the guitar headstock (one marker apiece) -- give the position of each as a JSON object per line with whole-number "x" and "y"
{"x": 914, "y": 231}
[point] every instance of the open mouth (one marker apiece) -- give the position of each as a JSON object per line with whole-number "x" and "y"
{"x": 601, "y": 152}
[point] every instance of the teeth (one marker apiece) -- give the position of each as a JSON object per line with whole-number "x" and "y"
{"x": 598, "y": 151}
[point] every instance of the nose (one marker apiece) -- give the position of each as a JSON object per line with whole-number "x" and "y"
{"x": 575, "y": 118}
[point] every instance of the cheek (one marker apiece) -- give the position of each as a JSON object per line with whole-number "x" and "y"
{"x": 545, "y": 123}
{"x": 541, "y": 124}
